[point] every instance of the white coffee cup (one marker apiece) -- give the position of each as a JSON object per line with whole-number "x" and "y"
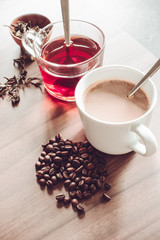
{"x": 119, "y": 137}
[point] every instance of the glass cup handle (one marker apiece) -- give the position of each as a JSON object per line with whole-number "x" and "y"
{"x": 149, "y": 145}
{"x": 27, "y": 42}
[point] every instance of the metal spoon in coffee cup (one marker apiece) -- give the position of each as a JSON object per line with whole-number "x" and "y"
{"x": 150, "y": 73}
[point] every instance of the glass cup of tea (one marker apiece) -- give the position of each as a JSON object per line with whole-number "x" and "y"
{"x": 62, "y": 67}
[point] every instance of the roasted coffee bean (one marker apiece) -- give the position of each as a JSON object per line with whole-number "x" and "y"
{"x": 102, "y": 178}
{"x": 57, "y": 159}
{"x": 78, "y": 170}
{"x": 62, "y": 148}
{"x": 72, "y": 194}
{"x": 49, "y": 183}
{"x": 58, "y": 137}
{"x": 72, "y": 186}
{"x": 52, "y": 171}
{"x": 60, "y": 197}
{"x": 59, "y": 153}
{"x": 95, "y": 175}
{"x": 56, "y": 166}
{"x": 56, "y": 149}
{"x": 43, "y": 153}
{"x": 68, "y": 142}
{"x": 87, "y": 194}
{"x": 107, "y": 186}
{"x": 83, "y": 177}
{"x": 39, "y": 174}
{"x": 90, "y": 149}
{"x": 84, "y": 172}
{"x": 85, "y": 187}
{"x": 74, "y": 202}
{"x": 45, "y": 145}
{"x": 64, "y": 153}
{"x": 61, "y": 143}
{"x": 37, "y": 165}
{"x": 45, "y": 169}
{"x": 79, "y": 194}
{"x": 86, "y": 143}
{"x": 42, "y": 182}
{"x": 67, "y": 201}
{"x": 49, "y": 148}
{"x": 79, "y": 144}
{"x": 86, "y": 162}
{"x": 82, "y": 150}
{"x": 84, "y": 155}
{"x": 81, "y": 167}
{"x": 105, "y": 197}
{"x": 62, "y": 169}
{"x": 70, "y": 159}
{"x": 52, "y": 155}
{"x": 59, "y": 176}
{"x": 81, "y": 183}
{"x": 76, "y": 163}
{"x": 88, "y": 180}
{"x": 72, "y": 175}
{"x": 75, "y": 149}
{"x": 68, "y": 165}
{"x": 52, "y": 140}
{"x": 77, "y": 179}
{"x": 70, "y": 169}
{"x": 74, "y": 143}
{"x": 90, "y": 166}
{"x": 68, "y": 147}
{"x": 54, "y": 180}
{"x": 65, "y": 175}
{"x": 80, "y": 209}
{"x": 98, "y": 184}
{"x": 47, "y": 159}
{"x": 55, "y": 144}
{"x": 81, "y": 160}
{"x": 90, "y": 173}
{"x": 46, "y": 176}
{"x": 67, "y": 182}
{"x": 93, "y": 188}
{"x": 41, "y": 159}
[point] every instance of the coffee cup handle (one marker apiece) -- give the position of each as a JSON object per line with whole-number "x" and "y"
{"x": 148, "y": 145}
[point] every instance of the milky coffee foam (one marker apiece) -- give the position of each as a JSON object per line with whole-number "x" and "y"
{"x": 107, "y": 100}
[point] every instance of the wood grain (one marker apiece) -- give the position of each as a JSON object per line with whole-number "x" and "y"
{"x": 29, "y": 213}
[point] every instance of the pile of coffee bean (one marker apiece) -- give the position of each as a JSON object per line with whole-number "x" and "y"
{"x": 78, "y": 165}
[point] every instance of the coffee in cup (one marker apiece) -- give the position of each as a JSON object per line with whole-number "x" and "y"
{"x": 107, "y": 100}
{"x": 107, "y": 129}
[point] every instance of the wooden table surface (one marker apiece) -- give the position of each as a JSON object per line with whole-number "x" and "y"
{"x": 27, "y": 212}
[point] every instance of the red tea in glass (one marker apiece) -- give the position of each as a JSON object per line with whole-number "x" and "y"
{"x": 80, "y": 50}
{"x": 62, "y": 67}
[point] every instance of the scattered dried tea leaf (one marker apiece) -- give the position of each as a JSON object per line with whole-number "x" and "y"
{"x": 11, "y": 88}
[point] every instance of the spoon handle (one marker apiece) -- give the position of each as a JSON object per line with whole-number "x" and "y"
{"x": 65, "y": 15}
{"x": 152, "y": 71}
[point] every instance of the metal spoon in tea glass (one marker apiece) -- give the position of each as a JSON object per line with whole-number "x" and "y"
{"x": 150, "y": 73}
{"x": 66, "y": 26}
